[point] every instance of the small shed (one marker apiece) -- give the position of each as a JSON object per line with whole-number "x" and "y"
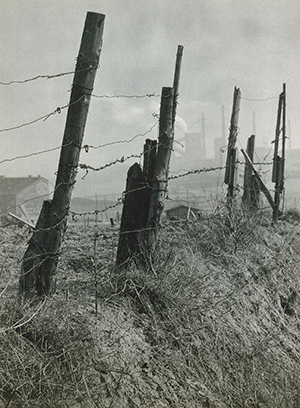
{"x": 182, "y": 212}
{"x": 23, "y": 196}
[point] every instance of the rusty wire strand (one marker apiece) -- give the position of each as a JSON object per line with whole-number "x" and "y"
{"x": 44, "y": 117}
{"x": 126, "y": 96}
{"x": 24, "y": 81}
{"x": 85, "y": 147}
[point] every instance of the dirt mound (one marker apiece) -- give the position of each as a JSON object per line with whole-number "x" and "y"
{"x": 214, "y": 323}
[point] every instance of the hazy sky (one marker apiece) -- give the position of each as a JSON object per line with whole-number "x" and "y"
{"x": 253, "y": 45}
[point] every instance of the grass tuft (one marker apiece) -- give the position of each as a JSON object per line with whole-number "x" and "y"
{"x": 214, "y": 323}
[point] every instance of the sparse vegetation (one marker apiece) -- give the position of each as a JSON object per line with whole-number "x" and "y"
{"x": 213, "y": 323}
{"x": 292, "y": 214}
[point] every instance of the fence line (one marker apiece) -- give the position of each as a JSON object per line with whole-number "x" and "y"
{"x": 122, "y": 160}
{"x": 87, "y": 147}
{"x": 114, "y": 235}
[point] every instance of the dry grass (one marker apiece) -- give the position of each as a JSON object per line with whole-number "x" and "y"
{"x": 217, "y": 325}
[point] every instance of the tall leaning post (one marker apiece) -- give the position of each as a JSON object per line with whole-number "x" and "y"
{"x": 40, "y": 260}
{"x": 279, "y": 161}
{"x": 176, "y": 81}
{"x": 231, "y": 152}
{"x": 283, "y": 137}
{"x": 162, "y": 162}
{"x": 248, "y": 180}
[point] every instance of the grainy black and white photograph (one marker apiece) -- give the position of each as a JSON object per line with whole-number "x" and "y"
{"x": 149, "y": 204}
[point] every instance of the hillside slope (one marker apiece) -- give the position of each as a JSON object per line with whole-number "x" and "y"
{"x": 215, "y": 323}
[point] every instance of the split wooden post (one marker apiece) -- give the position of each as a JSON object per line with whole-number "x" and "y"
{"x": 159, "y": 181}
{"x": 145, "y": 189}
{"x": 161, "y": 170}
{"x": 283, "y": 136}
{"x": 149, "y": 158}
{"x": 231, "y": 150}
{"x": 260, "y": 182}
{"x": 276, "y": 141}
{"x": 41, "y": 257}
{"x": 279, "y": 161}
{"x": 278, "y": 183}
{"x": 136, "y": 208}
{"x": 134, "y": 216}
{"x": 250, "y": 199}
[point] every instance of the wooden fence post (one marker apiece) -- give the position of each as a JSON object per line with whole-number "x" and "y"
{"x": 260, "y": 182}
{"x": 278, "y": 183}
{"x": 283, "y": 135}
{"x": 149, "y": 158}
{"x": 134, "y": 216}
{"x": 145, "y": 190}
{"x": 248, "y": 180}
{"x": 161, "y": 170}
{"x": 231, "y": 150}
{"x": 279, "y": 161}
{"x": 276, "y": 141}
{"x": 41, "y": 257}
{"x": 176, "y": 82}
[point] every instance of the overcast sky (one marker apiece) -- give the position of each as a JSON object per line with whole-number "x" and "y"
{"x": 253, "y": 45}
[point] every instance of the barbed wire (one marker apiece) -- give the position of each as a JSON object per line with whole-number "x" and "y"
{"x": 44, "y": 117}
{"x": 83, "y": 166}
{"x": 85, "y": 147}
{"x": 59, "y": 109}
{"x": 119, "y": 201}
{"x": 24, "y": 81}
{"x": 259, "y": 100}
{"x": 35, "y": 153}
{"x": 122, "y": 160}
{"x": 198, "y": 171}
{"x": 87, "y": 167}
{"x": 149, "y": 95}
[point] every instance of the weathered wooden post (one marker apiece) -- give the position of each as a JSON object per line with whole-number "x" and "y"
{"x": 162, "y": 162}
{"x": 283, "y": 135}
{"x": 145, "y": 188}
{"x": 250, "y": 199}
{"x": 176, "y": 81}
{"x": 231, "y": 150}
{"x": 260, "y": 182}
{"x": 134, "y": 216}
{"x": 276, "y": 140}
{"x": 150, "y": 148}
{"x": 279, "y": 161}
{"x": 41, "y": 257}
{"x": 159, "y": 181}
